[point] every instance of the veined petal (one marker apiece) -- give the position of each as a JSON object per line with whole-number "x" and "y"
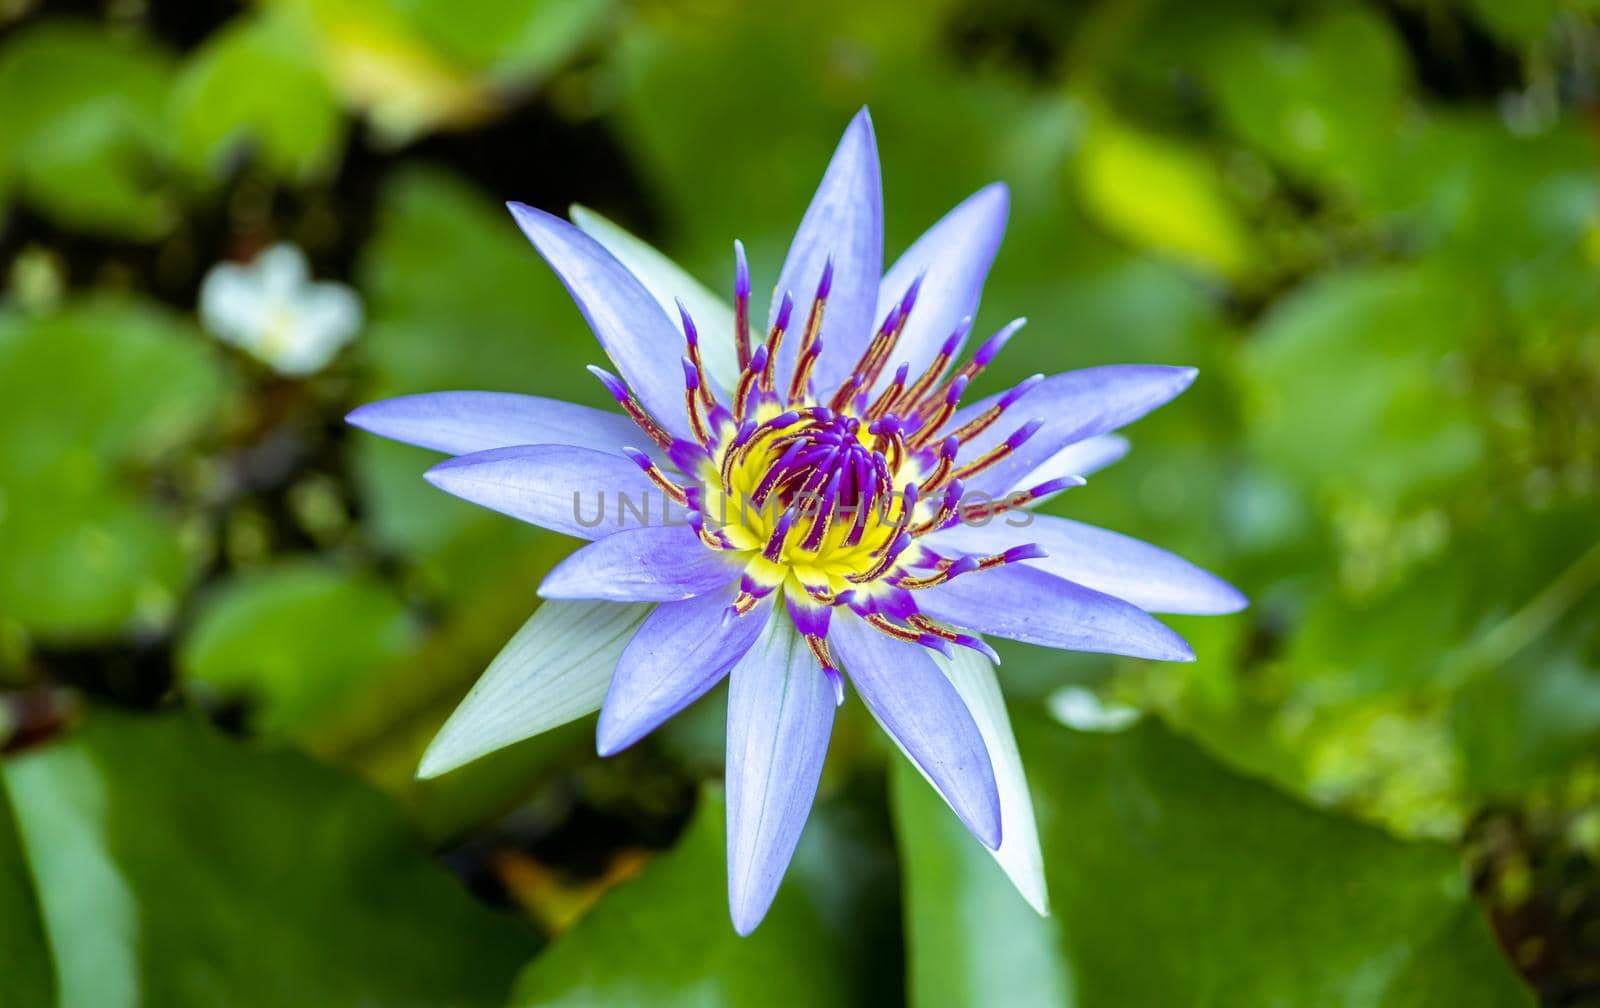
{"x": 639, "y": 337}
{"x": 845, "y": 223}
{"x": 669, "y": 283}
{"x": 1148, "y": 576}
{"x": 1082, "y": 458}
{"x": 650, "y": 564}
{"x": 460, "y": 423}
{"x": 576, "y": 491}
{"x": 953, "y": 259}
{"x": 780, "y": 714}
{"x": 1074, "y": 406}
{"x": 1019, "y": 855}
{"x": 680, "y": 652}
{"x": 1025, "y": 604}
{"x": 554, "y": 670}
{"x": 920, "y": 709}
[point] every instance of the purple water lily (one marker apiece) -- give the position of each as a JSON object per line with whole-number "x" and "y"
{"x": 792, "y": 511}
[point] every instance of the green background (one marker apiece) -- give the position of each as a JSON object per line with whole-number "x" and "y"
{"x": 229, "y": 624}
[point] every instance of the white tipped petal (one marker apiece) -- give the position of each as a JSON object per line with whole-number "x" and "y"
{"x": 555, "y": 669}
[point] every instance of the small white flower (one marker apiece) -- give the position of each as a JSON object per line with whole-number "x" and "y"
{"x": 1080, "y": 708}
{"x": 271, "y": 309}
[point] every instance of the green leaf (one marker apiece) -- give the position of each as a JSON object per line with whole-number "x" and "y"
{"x": 1156, "y": 193}
{"x": 84, "y": 557}
{"x": 256, "y": 87}
{"x": 178, "y": 868}
{"x": 1178, "y": 882}
{"x": 665, "y": 939}
{"x": 299, "y": 639}
{"x": 82, "y": 136}
{"x": 1353, "y": 389}
{"x": 80, "y": 551}
{"x": 1324, "y": 99}
{"x": 24, "y": 955}
{"x": 510, "y": 40}
{"x": 66, "y": 388}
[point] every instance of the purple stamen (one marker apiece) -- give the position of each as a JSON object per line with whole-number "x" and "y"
{"x": 780, "y": 532}
{"x": 741, "y": 271}
{"x": 785, "y": 309}
{"x": 1023, "y": 433}
{"x": 837, "y": 681}
{"x": 1023, "y": 388}
{"x": 977, "y": 644}
{"x": 613, "y": 384}
{"x": 690, "y": 334}
{"x": 994, "y": 344}
{"x": 1027, "y": 551}
{"x": 825, "y": 285}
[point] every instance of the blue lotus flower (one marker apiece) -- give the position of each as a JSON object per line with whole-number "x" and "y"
{"x": 791, "y": 511}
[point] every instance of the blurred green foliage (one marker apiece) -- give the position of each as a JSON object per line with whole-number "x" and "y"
{"x": 1374, "y": 227}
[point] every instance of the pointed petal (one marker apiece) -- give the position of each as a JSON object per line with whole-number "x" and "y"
{"x": 1025, "y": 604}
{"x": 919, "y": 708}
{"x": 953, "y": 259}
{"x": 683, "y": 650}
{"x": 554, "y": 670}
{"x": 668, "y": 283}
{"x": 1074, "y": 405}
{"x": 1019, "y": 854}
{"x": 460, "y": 423}
{"x": 844, "y": 222}
{"x": 641, "y": 565}
{"x": 1148, "y": 576}
{"x": 780, "y": 714}
{"x": 575, "y": 491}
{"x": 639, "y": 337}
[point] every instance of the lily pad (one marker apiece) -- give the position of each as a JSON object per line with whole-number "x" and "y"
{"x": 1176, "y": 881}
{"x": 174, "y": 867}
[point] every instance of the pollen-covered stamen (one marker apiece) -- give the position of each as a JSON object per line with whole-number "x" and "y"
{"x": 980, "y": 360}
{"x": 656, "y": 476}
{"x": 943, "y": 467}
{"x": 1013, "y": 441}
{"x": 877, "y": 353}
{"x": 822, "y": 520}
{"x": 810, "y": 343}
{"x": 747, "y": 383}
{"x": 824, "y": 657}
{"x": 968, "y": 564}
{"x": 780, "y": 325}
{"x": 948, "y": 510}
{"x": 983, "y": 421}
{"x": 1020, "y": 499}
{"x": 943, "y": 632}
{"x": 890, "y": 556}
{"x": 929, "y": 428}
{"x": 691, "y": 338}
{"x": 884, "y": 624}
{"x": 890, "y": 395}
{"x": 936, "y": 369}
{"x": 889, "y": 441}
{"x": 782, "y": 469}
{"x": 741, "y": 304}
{"x": 780, "y": 533}
{"x": 625, "y": 399}
{"x": 715, "y": 538}
{"x": 691, "y": 403}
